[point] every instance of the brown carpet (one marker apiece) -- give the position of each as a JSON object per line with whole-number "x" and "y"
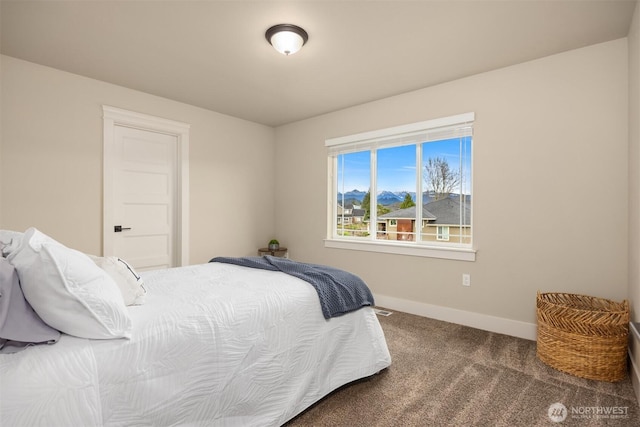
{"x": 443, "y": 374}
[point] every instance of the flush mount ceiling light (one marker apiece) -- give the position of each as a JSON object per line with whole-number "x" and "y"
{"x": 286, "y": 38}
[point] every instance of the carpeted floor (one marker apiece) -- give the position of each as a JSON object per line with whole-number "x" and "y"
{"x": 443, "y": 374}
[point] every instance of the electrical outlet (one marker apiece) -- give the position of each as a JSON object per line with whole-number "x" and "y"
{"x": 466, "y": 280}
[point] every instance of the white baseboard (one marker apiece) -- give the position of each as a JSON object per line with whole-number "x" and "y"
{"x": 635, "y": 378}
{"x": 634, "y": 357}
{"x": 485, "y": 322}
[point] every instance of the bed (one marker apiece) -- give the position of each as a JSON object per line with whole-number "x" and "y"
{"x": 213, "y": 344}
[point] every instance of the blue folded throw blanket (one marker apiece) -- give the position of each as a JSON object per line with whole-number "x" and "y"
{"x": 339, "y": 291}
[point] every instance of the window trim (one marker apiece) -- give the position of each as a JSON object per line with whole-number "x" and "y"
{"x": 432, "y": 249}
{"x": 402, "y": 129}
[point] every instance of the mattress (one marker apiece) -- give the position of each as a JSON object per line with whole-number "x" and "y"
{"x": 214, "y": 344}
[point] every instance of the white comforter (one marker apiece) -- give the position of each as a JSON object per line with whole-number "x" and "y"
{"x": 214, "y": 344}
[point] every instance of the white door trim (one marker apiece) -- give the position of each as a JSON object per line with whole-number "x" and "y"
{"x": 112, "y": 117}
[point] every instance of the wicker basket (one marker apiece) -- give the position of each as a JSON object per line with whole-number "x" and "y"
{"x": 583, "y": 336}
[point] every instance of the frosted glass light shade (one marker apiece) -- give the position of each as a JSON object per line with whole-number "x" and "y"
{"x": 286, "y": 42}
{"x": 286, "y": 38}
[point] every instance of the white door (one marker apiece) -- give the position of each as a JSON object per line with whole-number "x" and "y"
{"x": 143, "y": 197}
{"x": 146, "y": 189}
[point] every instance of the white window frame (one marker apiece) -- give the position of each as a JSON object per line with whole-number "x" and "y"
{"x": 366, "y": 141}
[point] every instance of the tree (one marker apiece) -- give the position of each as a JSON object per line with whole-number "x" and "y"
{"x": 440, "y": 178}
{"x": 366, "y": 205}
{"x": 407, "y": 202}
{"x": 383, "y": 210}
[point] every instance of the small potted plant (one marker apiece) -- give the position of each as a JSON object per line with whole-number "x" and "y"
{"x": 274, "y": 245}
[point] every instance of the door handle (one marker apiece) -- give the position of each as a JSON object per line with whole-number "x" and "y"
{"x": 119, "y": 228}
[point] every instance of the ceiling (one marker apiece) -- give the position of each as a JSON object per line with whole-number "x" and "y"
{"x": 213, "y": 54}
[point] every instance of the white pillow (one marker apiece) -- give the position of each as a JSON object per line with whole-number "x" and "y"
{"x": 68, "y": 290}
{"x": 130, "y": 283}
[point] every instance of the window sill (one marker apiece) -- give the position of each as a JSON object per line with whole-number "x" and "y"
{"x": 458, "y": 254}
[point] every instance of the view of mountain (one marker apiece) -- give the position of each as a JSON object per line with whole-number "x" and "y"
{"x": 386, "y": 198}
{"x": 352, "y": 195}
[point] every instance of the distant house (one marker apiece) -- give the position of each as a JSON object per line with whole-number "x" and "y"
{"x": 350, "y": 214}
{"x": 445, "y": 220}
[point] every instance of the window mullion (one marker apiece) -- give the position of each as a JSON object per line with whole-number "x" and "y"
{"x": 333, "y": 168}
{"x": 462, "y": 197}
{"x": 373, "y": 196}
{"x": 418, "y": 193}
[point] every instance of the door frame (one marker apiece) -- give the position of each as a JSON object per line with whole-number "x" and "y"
{"x": 113, "y": 117}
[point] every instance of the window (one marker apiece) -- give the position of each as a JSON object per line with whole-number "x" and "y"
{"x": 420, "y": 175}
{"x": 443, "y": 232}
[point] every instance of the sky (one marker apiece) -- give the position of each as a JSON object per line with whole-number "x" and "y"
{"x": 397, "y": 166}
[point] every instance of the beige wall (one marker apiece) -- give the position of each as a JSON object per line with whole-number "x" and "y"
{"x": 550, "y": 152}
{"x": 550, "y": 156}
{"x": 0, "y": 133}
{"x": 51, "y": 162}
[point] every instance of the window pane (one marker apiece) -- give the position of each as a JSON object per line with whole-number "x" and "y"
{"x": 353, "y": 181}
{"x": 396, "y": 185}
{"x": 446, "y": 174}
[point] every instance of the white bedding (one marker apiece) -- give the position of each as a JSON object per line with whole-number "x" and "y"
{"x": 214, "y": 344}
